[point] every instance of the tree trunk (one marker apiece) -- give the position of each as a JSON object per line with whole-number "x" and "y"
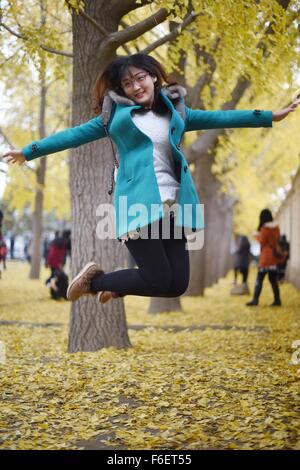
{"x": 162, "y": 304}
{"x": 225, "y": 260}
{"x": 37, "y": 229}
{"x": 208, "y": 264}
{"x": 205, "y": 184}
{"x": 92, "y": 325}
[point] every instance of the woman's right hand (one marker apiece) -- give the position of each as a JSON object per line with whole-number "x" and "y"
{"x": 14, "y": 156}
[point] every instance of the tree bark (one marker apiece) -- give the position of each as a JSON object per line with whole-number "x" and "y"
{"x": 37, "y": 228}
{"x": 225, "y": 262}
{"x": 160, "y": 305}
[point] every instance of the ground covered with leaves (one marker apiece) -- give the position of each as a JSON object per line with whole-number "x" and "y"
{"x": 218, "y": 375}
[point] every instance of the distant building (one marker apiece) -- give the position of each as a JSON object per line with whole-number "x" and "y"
{"x": 288, "y": 218}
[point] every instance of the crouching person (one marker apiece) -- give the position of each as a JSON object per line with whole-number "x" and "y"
{"x": 58, "y": 284}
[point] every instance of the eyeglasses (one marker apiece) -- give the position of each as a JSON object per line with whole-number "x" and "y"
{"x": 139, "y": 80}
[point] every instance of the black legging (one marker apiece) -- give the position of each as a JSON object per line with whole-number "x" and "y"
{"x": 273, "y": 281}
{"x": 163, "y": 268}
{"x": 244, "y": 272}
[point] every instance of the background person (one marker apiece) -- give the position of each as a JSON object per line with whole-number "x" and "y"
{"x": 242, "y": 261}
{"x": 268, "y": 235}
{"x": 282, "y": 265}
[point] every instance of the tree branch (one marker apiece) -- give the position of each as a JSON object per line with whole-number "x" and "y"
{"x": 42, "y": 46}
{"x": 5, "y": 138}
{"x": 172, "y": 35}
{"x": 125, "y": 25}
{"x": 8, "y": 142}
{"x": 126, "y": 6}
{"x": 61, "y": 118}
{"x": 206, "y": 77}
{"x": 7, "y": 59}
{"x": 133, "y": 32}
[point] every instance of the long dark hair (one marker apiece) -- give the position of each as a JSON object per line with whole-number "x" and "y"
{"x": 264, "y": 216}
{"x": 111, "y": 78}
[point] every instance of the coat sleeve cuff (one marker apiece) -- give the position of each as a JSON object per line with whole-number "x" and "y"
{"x": 30, "y": 151}
{"x": 265, "y": 118}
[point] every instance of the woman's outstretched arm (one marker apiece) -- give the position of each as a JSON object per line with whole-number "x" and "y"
{"x": 198, "y": 119}
{"x": 69, "y": 138}
{"x": 283, "y": 113}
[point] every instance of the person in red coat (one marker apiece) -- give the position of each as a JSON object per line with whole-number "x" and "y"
{"x": 56, "y": 253}
{"x": 268, "y": 235}
{"x": 58, "y": 280}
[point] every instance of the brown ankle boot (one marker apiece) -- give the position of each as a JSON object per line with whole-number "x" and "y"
{"x": 81, "y": 284}
{"x": 105, "y": 295}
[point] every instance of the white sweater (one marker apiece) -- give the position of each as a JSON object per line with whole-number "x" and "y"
{"x": 156, "y": 127}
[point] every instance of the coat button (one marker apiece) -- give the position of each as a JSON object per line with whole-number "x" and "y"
{"x": 185, "y": 169}
{"x": 172, "y": 130}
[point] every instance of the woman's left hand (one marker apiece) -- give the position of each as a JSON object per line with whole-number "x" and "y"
{"x": 279, "y": 115}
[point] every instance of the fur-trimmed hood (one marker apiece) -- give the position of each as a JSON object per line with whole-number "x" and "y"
{"x": 172, "y": 92}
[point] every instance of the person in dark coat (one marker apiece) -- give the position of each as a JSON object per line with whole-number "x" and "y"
{"x": 58, "y": 284}
{"x": 242, "y": 260}
{"x": 45, "y": 251}
{"x": 281, "y": 266}
{"x": 12, "y": 247}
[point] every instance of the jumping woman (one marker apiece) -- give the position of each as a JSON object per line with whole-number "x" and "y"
{"x": 147, "y": 120}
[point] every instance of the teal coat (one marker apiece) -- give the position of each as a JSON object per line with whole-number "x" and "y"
{"x": 136, "y": 182}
